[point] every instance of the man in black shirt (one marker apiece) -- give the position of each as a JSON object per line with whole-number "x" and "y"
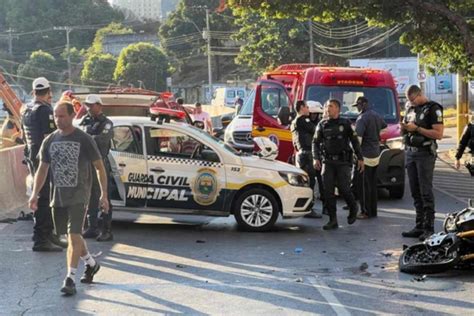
{"x": 302, "y": 131}
{"x": 368, "y": 127}
{"x": 421, "y": 127}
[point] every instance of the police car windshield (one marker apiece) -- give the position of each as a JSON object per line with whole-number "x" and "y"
{"x": 247, "y": 108}
{"x": 381, "y": 100}
{"x": 206, "y": 135}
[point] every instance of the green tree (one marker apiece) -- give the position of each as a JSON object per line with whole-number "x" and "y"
{"x": 99, "y": 69}
{"x": 145, "y": 62}
{"x": 34, "y": 21}
{"x": 440, "y": 30}
{"x": 181, "y": 34}
{"x": 40, "y": 64}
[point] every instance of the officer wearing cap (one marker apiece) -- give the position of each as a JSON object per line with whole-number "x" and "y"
{"x": 38, "y": 122}
{"x": 96, "y": 124}
{"x": 333, "y": 153}
{"x": 302, "y": 131}
{"x": 421, "y": 127}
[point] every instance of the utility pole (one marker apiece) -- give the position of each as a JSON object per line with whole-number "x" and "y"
{"x": 208, "y": 38}
{"x": 311, "y": 48}
{"x": 68, "y": 30}
{"x": 10, "y": 41}
{"x": 462, "y": 103}
{"x": 421, "y": 73}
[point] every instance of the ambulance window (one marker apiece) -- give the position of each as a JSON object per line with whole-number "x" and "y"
{"x": 273, "y": 98}
{"x": 231, "y": 94}
{"x": 126, "y": 140}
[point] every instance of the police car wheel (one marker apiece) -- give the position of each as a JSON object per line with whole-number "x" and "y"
{"x": 256, "y": 210}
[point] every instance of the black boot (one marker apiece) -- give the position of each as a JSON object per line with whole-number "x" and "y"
{"x": 418, "y": 230}
{"x": 92, "y": 229}
{"x": 106, "y": 234}
{"x": 332, "y": 224}
{"x": 429, "y": 228}
{"x": 55, "y": 239}
{"x": 352, "y": 216}
{"x": 46, "y": 246}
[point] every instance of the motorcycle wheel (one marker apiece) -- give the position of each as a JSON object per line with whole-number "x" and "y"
{"x": 421, "y": 259}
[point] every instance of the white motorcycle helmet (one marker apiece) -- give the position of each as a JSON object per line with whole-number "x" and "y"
{"x": 268, "y": 149}
{"x": 314, "y": 107}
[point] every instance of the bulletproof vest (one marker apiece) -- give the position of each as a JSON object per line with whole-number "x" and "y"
{"x": 416, "y": 139}
{"x": 336, "y": 137}
{"x": 302, "y": 139}
{"x": 32, "y": 127}
{"x": 95, "y": 126}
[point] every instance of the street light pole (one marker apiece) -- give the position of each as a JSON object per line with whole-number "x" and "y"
{"x": 208, "y": 37}
{"x": 68, "y": 30}
{"x": 311, "y": 49}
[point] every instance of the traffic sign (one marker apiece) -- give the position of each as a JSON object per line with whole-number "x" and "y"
{"x": 421, "y": 76}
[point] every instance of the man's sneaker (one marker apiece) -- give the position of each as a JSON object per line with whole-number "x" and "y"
{"x": 414, "y": 233}
{"x": 426, "y": 234}
{"x": 105, "y": 236}
{"x": 91, "y": 232}
{"x": 88, "y": 276}
{"x": 46, "y": 246}
{"x": 69, "y": 287}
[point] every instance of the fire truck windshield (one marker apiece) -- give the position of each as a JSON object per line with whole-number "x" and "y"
{"x": 247, "y": 108}
{"x": 382, "y": 100}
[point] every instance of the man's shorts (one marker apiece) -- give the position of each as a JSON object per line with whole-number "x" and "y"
{"x": 69, "y": 219}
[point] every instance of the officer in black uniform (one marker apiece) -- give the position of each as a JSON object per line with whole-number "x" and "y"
{"x": 302, "y": 131}
{"x": 467, "y": 140}
{"x": 96, "y": 124}
{"x": 421, "y": 127}
{"x": 37, "y": 123}
{"x": 332, "y": 151}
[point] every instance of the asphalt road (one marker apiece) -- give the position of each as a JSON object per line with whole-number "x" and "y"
{"x": 207, "y": 266}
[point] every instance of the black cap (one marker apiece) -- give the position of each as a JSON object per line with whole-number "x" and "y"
{"x": 361, "y": 100}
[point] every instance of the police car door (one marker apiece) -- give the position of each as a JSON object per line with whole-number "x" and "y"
{"x": 129, "y": 183}
{"x": 187, "y": 176}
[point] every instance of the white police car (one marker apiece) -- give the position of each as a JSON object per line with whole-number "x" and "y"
{"x": 176, "y": 168}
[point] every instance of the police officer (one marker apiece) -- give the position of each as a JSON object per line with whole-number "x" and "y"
{"x": 333, "y": 153}
{"x": 37, "y": 123}
{"x": 315, "y": 115}
{"x": 302, "y": 131}
{"x": 467, "y": 140}
{"x": 421, "y": 127}
{"x": 96, "y": 124}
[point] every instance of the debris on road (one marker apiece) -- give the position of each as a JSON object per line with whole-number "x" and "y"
{"x": 419, "y": 278}
{"x": 200, "y": 241}
{"x": 364, "y": 266}
{"x": 298, "y": 250}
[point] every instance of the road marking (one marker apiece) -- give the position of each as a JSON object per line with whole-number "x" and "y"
{"x": 329, "y": 296}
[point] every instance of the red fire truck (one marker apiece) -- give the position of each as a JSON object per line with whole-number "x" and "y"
{"x": 268, "y": 109}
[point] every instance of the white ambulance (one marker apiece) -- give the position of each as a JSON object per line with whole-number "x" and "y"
{"x": 176, "y": 168}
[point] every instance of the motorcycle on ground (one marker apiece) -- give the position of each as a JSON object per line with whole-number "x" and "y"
{"x": 452, "y": 248}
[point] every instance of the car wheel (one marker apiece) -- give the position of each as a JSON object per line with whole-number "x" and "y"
{"x": 396, "y": 192}
{"x": 256, "y": 210}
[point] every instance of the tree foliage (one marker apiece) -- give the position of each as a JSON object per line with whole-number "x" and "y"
{"x": 181, "y": 34}
{"x": 40, "y": 64}
{"x": 268, "y": 42}
{"x": 145, "y": 62}
{"x": 441, "y": 30}
{"x": 30, "y": 17}
{"x": 99, "y": 69}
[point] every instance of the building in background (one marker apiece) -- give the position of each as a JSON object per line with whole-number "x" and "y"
{"x": 114, "y": 43}
{"x": 142, "y": 9}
